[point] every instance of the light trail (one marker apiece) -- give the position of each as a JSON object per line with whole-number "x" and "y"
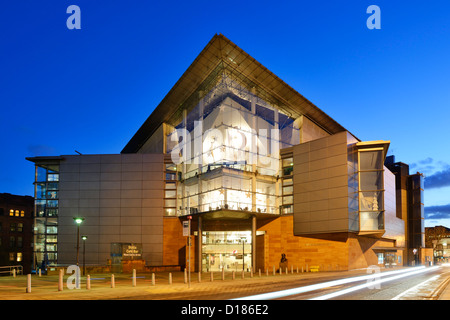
{"x": 372, "y": 283}
{"x": 318, "y": 286}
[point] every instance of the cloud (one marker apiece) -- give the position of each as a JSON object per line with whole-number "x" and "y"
{"x": 437, "y": 212}
{"x": 438, "y": 180}
{"x": 426, "y": 161}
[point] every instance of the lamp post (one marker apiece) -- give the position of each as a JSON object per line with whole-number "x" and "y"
{"x": 84, "y": 254}
{"x": 78, "y": 221}
{"x": 243, "y": 249}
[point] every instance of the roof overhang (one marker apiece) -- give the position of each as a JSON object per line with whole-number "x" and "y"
{"x": 222, "y": 54}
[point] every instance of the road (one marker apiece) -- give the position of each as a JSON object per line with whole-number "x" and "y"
{"x": 409, "y": 284}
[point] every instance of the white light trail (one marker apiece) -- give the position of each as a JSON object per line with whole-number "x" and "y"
{"x": 362, "y": 286}
{"x": 318, "y": 286}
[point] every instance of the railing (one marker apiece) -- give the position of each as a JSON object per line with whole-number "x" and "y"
{"x": 229, "y": 205}
{"x": 18, "y": 268}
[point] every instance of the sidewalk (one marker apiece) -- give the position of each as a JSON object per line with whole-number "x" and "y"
{"x": 444, "y": 292}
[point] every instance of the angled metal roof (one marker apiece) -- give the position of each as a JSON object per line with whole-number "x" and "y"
{"x": 221, "y": 53}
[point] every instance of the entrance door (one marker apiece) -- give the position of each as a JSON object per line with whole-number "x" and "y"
{"x": 229, "y": 250}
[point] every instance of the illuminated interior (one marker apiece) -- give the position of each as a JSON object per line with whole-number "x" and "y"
{"x": 226, "y": 152}
{"x": 371, "y": 187}
{"x": 231, "y": 251}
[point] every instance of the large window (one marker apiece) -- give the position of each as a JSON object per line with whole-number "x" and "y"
{"x": 371, "y": 189}
{"x": 227, "y": 151}
{"x": 231, "y": 250}
{"x": 46, "y": 213}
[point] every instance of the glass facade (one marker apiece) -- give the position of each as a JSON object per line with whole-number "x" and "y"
{"x": 231, "y": 251}
{"x": 371, "y": 189}
{"x": 227, "y": 154}
{"x": 46, "y": 215}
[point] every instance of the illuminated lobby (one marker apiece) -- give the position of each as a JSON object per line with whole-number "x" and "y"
{"x": 256, "y": 168}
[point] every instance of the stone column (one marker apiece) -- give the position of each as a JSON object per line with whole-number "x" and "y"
{"x": 253, "y": 241}
{"x": 199, "y": 243}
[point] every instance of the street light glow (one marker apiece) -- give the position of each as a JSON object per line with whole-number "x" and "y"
{"x": 78, "y": 220}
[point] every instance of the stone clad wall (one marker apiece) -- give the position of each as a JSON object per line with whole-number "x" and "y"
{"x": 121, "y": 198}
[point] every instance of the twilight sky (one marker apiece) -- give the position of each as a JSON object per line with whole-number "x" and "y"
{"x": 90, "y": 89}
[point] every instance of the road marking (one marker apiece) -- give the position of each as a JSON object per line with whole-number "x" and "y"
{"x": 318, "y": 286}
{"x": 415, "y": 287}
{"x": 371, "y": 283}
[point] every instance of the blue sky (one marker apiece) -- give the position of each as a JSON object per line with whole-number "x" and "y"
{"x": 90, "y": 90}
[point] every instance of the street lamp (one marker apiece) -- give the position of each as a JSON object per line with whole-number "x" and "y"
{"x": 78, "y": 221}
{"x": 243, "y": 249}
{"x": 84, "y": 253}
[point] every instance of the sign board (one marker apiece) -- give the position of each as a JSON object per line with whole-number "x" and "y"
{"x": 131, "y": 251}
{"x": 185, "y": 228}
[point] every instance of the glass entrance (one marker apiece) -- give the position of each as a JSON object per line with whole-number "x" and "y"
{"x": 229, "y": 250}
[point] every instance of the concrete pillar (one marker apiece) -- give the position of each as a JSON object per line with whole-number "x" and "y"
{"x": 199, "y": 243}
{"x": 253, "y": 242}
{"x": 60, "y": 280}
{"x": 28, "y": 283}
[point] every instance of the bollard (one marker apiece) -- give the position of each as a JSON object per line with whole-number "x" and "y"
{"x": 28, "y": 283}
{"x": 185, "y": 275}
{"x": 292, "y": 269}
{"x": 113, "y": 282}
{"x": 223, "y": 273}
{"x": 259, "y": 272}
{"x": 251, "y": 272}
{"x": 273, "y": 270}
{"x": 297, "y": 269}
{"x": 88, "y": 282}
{"x": 60, "y": 280}
{"x": 233, "y": 276}
{"x": 133, "y": 282}
{"x": 170, "y": 277}
{"x": 39, "y": 272}
{"x": 287, "y": 271}
{"x": 302, "y": 269}
{"x": 14, "y": 273}
{"x": 211, "y": 276}
{"x": 267, "y": 271}
{"x": 153, "y": 279}
{"x": 199, "y": 276}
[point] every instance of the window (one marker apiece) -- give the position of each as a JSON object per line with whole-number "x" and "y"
{"x": 19, "y": 242}
{"x": 22, "y": 213}
{"x": 12, "y": 242}
{"x": 19, "y": 257}
{"x": 380, "y": 258}
{"x": 170, "y": 190}
{"x": 11, "y": 256}
{"x": 12, "y": 227}
{"x": 11, "y": 213}
{"x": 20, "y": 227}
{"x": 371, "y": 185}
{"x": 16, "y": 213}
